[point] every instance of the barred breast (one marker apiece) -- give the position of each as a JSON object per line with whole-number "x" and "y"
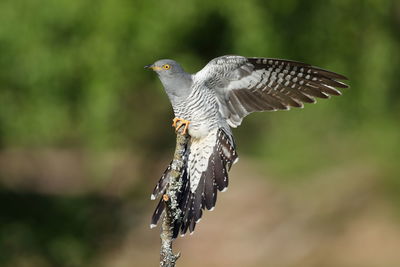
{"x": 201, "y": 109}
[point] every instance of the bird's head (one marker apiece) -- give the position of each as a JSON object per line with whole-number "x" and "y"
{"x": 166, "y": 67}
{"x": 177, "y": 83}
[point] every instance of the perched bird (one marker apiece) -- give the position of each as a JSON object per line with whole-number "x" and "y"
{"x": 208, "y": 103}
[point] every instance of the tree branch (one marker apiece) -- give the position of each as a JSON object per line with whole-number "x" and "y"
{"x": 172, "y": 211}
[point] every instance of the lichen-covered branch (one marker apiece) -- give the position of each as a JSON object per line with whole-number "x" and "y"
{"x": 172, "y": 211}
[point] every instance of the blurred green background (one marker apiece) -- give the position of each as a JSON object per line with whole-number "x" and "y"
{"x": 85, "y": 133}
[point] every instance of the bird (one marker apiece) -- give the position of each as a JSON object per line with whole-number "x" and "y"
{"x": 212, "y": 101}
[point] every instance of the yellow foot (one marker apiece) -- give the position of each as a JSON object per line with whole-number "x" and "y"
{"x": 181, "y": 123}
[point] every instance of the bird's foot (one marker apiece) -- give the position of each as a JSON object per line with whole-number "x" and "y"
{"x": 178, "y": 123}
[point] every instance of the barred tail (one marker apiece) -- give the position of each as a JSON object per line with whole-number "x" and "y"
{"x": 192, "y": 199}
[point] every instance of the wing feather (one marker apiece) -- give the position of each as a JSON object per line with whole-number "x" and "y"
{"x": 245, "y": 85}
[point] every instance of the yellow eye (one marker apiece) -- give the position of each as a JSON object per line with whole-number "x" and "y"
{"x": 166, "y": 67}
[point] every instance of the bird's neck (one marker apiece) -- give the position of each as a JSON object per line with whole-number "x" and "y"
{"x": 178, "y": 86}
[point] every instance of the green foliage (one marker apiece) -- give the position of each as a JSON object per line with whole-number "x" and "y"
{"x": 72, "y": 70}
{"x": 65, "y": 231}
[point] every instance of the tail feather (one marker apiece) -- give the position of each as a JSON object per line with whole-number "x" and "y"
{"x": 192, "y": 226}
{"x": 184, "y": 193}
{"x": 162, "y": 183}
{"x": 226, "y": 148}
{"x": 187, "y": 219}
{"x": 209, "y": 191}
{"x": 220, "y": 176}
{"x": 198, "y": 195}
{"x": 157, "y": 213}
{"x": 198, "y": 201}
{"x": 176, "y": 228}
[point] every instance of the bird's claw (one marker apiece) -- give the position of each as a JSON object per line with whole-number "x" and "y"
{"x": 181, "y": 123}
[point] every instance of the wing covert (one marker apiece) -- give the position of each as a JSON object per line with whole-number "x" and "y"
{"x": 245, "y": 85}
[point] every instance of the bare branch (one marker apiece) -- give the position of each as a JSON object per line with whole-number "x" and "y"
{"x": 172, "y": 211}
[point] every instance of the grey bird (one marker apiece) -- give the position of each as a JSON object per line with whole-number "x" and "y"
{"x": 215, "y": 99}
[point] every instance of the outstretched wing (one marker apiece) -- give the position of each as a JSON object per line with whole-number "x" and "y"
{"x": 245, "y": 85}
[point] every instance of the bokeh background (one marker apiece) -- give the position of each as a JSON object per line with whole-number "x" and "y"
{"x": 85, "y": 134}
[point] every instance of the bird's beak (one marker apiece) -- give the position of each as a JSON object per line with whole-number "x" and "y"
{"x": 151, "y": 66}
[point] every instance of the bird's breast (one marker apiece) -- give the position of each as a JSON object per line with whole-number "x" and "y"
{"x": 201, "y": 109}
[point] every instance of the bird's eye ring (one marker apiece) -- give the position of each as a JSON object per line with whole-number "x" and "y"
{"x": 166, "y": 67}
